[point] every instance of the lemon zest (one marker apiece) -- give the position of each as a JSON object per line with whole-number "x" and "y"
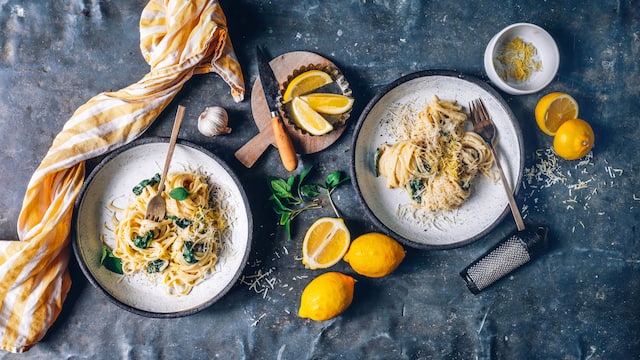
{"x": 517, "y": 60}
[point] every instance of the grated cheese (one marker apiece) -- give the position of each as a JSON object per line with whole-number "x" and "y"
{"x": 582, "y": 182}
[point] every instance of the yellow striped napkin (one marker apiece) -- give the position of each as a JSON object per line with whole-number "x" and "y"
{"x": 178, "y": 39}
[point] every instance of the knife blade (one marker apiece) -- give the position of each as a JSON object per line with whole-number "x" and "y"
{"x": 272, "y": 91}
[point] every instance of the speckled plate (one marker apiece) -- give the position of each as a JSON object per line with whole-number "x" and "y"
{"x": 111, "y": 182}
{"x": 488, "y": 203}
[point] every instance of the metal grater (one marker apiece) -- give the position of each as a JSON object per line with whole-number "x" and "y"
{"x": 509, "y": 254}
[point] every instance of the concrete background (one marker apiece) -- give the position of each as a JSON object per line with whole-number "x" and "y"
{"x": 578, "y": 301}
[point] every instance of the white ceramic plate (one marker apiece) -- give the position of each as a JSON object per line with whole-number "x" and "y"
{"x": 488, "y": 202}
{"x": 112, "y": 181}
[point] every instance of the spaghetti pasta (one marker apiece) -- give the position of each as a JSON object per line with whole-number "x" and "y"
{"x": 182, "y": 249}
{"x": 436, "y": 160}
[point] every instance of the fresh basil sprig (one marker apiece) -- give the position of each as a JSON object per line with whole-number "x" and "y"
{"x": 331, "y": 183}
{"x": 179, "y": 193}
{"x": 293, "y": 196}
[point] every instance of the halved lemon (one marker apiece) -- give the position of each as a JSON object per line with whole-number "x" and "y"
{"x": 308, "y": 119}
{"x": 305, "y": 82}
{"x": 325, "y": 243}
{"x": 333, "y": 104}
{"x": 554, "y": 109}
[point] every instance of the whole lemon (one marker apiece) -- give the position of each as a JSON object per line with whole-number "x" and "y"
{"x": 574, "y": 139}
{"x": 374, "y": 255}
{"x": 326, "y": 296}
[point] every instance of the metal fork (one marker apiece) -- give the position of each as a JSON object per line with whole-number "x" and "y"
{"x": 156, "y": 207}
{"x": 484, "y": 126}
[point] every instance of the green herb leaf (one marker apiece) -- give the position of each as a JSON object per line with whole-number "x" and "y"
{"x": 190, "y": 250}
{"x": 280, "y": 188}
{"x": 417, "y": 186}
{"x": 187, "y": 253}
{"x": 290, "y": 181}
{"x": 376, "y": 162}
{"x": 179, "y": 193}
{"x": 181, "y": 222}
{"x": 143, "y": 242}
{"x": 110, "y": 261}
{"x": 137, "y": 190}
{"x": 304, "y": 173}
{"x": 334, "y": 179}
{"x": 157, "y": 266}
{"x": 288, "y": 205}
{"x": 309, "y": 190}
{"x": 285, "y": 217}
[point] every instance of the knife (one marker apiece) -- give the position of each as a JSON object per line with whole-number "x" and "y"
{"x": 272, "y": 91}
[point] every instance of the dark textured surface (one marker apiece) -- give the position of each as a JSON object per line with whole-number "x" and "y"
{"x": 578, "y": 301}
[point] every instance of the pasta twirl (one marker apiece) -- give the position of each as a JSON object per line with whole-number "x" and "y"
{"x": 436, "y": 160}
{"x": 182, "y": 249}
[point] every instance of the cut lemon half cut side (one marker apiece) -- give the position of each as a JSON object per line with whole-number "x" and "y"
{"x": 308, "y": 119}
{"x": 305, "y": 82}
{"x": 333, "y": 104}
{"x": 325, "y": 243}
{"x": 553, "y": 109}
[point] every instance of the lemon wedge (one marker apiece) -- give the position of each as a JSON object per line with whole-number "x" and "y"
{"x": 333, "y": 104}
{"x": 308, "y": 119}
{"x": 304, "y": 83}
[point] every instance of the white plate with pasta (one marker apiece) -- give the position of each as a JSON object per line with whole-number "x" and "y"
{"x": 175, "y": 267}
{"x": 454, "y": 195}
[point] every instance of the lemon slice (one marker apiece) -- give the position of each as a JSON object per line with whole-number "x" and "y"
{"x": 554, "y": 109}
{"x": 305, "y": 82}
{"x": 333, "y": 104}
{"x": 308, "y": 119}
{"x": 325, "y": 243}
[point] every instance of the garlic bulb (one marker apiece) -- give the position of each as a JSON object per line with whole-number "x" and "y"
{"x": 213, "y": 121}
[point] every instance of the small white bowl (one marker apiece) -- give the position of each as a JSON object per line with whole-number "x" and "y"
{"x": 547, "y": 54}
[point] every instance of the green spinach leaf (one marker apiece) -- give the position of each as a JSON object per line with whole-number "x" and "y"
{"x": 143, "y": 241}
{"x": 181, "y": 222}
{"x": 110, "y": 261}
{"x": 157, "y": 266}
{"x": 188, "y": 252}
{"x": 146, "y": 182}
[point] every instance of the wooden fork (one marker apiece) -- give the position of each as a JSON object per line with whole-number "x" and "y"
{"x": 156, "y": 207}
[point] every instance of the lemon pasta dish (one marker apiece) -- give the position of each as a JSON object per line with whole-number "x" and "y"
{"x": 182, "y": 249}
{"x": 434, "y": 160}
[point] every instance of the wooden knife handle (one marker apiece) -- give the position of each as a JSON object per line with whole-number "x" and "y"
{"x": 284, "y": 144}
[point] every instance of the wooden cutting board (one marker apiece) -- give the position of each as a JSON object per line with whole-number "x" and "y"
{"x": 283, "y": 66}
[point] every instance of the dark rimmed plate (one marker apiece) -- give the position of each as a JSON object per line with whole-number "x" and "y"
{"x": 111, "y": 181}
{"x": 488, "y": 203}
